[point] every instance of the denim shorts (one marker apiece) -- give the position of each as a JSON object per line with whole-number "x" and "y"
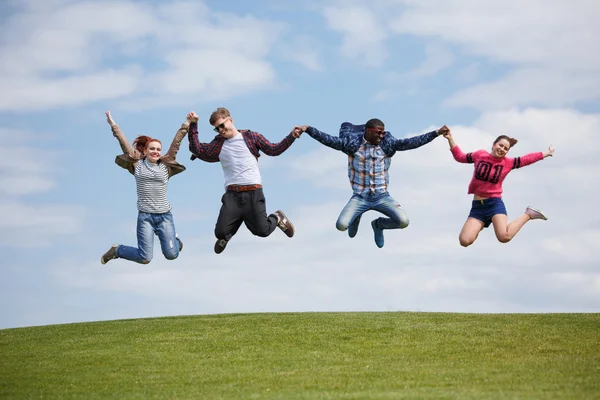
{"x": 484, "y": 210}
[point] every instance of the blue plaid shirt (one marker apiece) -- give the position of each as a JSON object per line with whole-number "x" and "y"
{"x": 368, "y": 169}
{"x": 368, "y": 165}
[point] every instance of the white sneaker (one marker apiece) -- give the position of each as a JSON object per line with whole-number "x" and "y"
{"x": 535, "y": 214}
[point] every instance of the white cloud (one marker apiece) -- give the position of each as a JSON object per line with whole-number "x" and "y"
{"x": 549, "y": 44}
{"x": 304, "y": 50}
{"x": 542, "y": 86}
{"x": 38, "y": 225}
{"x": 143, "y": 54}
{"x": 437, "y": 58}
{"x": 27, "y": 171}
{"x": 363, "y": 35}
{"x": 24, "y": 168}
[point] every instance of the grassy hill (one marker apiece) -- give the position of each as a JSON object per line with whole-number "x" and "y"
{"x": 390, "y": 355}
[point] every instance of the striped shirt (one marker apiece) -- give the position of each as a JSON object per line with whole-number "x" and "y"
{"x": 368, "y": 169}
{"x": 151, "y": 183}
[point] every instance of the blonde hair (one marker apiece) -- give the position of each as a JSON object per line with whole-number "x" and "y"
{"x": 220, "y": 112}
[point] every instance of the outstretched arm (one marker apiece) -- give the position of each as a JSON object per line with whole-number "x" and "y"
{"x": 275, "y": 149}
{"x": 528, "y": 159}
{"x": 175, "y": 144}
{"x": 448, "y": 136}
{"x": 417, "y": 141}
{"x": 208, "y": 152}
{"x": 335, "y": 142}
{"x": 457, "y": 153}
{"x": 125, "y": 146}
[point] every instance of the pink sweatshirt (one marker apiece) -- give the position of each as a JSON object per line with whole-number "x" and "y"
{"x": 490, "y": 171}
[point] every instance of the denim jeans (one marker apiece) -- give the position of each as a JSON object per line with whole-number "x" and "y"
{"x": 383, "y": 202}
{"x": 147, "y": 225}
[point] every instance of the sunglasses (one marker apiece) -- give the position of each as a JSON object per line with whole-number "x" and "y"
{"x": 220, "y": 126}
{"x": 379, "y": 133}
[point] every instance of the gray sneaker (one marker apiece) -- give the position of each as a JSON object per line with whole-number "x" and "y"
{"x": 220, "y": 245}
{"x": 284, "y": 224}
{"x": 535, "y": 214}
{"x": 111, "y": 254}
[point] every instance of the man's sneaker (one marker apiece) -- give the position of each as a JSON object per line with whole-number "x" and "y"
{"x": 220, "y": 245}
{"x": 180, "y": 242}
{"x": 284, "y": 224}
{"x": 535, "y": 214}
{"x": 378, "y": 234}
{"x": 111, "y": 254}
{"x": 353, "y": 227}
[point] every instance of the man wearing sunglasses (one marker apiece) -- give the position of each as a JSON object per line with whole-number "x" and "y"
{"x": 238, "y": 153}
{"x": 370, "y": 149}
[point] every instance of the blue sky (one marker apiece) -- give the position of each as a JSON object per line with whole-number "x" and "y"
{"x": 529, "y": 70}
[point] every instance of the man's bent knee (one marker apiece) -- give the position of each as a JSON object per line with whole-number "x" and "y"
{"x": 171, "y": 255}
{"x": 341, "y": 226}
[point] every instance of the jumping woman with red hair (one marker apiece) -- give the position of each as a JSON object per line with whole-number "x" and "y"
{"x": 486, "y": 186}
{"x": 152, "y": 172}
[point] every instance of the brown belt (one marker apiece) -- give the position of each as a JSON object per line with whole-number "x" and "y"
{"x": 244, "y": 188}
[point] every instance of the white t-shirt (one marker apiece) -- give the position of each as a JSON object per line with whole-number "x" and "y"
{"x": 240, "y": 167}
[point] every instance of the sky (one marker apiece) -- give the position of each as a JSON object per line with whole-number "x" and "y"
{"x": 530, "y": 70}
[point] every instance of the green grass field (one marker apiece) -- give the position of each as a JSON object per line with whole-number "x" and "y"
{"x": 390, "y": 355}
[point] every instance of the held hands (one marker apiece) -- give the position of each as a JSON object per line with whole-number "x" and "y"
{"x": 444, "y": 130}
{"x": 298, "y": 130}
{"x": 550, "y": 152}
{"x": 109, "y": 119}
{"x": 192, "y": 117}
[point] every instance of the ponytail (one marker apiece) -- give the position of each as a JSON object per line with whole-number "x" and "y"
{"x": 141, "y": 142}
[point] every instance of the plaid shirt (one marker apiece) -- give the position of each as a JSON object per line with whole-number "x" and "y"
{"x": 368, "y": 165}
{"x": 368, "y": 170}
{"x": 209, "y": 152}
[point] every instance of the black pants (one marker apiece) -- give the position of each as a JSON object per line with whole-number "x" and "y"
{"x": 248, "y": 207}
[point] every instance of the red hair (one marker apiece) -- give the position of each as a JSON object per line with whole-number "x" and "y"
{"x": 141, "y": 142}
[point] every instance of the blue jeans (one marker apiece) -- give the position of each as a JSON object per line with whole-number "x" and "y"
{"x": 147, "y": 225}
{"x": 384, "y": 203}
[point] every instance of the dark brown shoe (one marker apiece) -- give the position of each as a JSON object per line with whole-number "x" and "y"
{"x": 284, "y": 224}
{"x": 220, "y": 245}
{"x": 111, "y": 254}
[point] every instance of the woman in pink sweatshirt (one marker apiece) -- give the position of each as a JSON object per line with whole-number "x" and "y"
{"x": 486, "y": 187}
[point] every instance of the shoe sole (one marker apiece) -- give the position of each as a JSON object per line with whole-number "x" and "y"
{"x": 219, "y": 249}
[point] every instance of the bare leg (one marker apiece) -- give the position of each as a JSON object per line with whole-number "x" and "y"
{"x": 505, "y": 231}
{"x": 470, "y": 231}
